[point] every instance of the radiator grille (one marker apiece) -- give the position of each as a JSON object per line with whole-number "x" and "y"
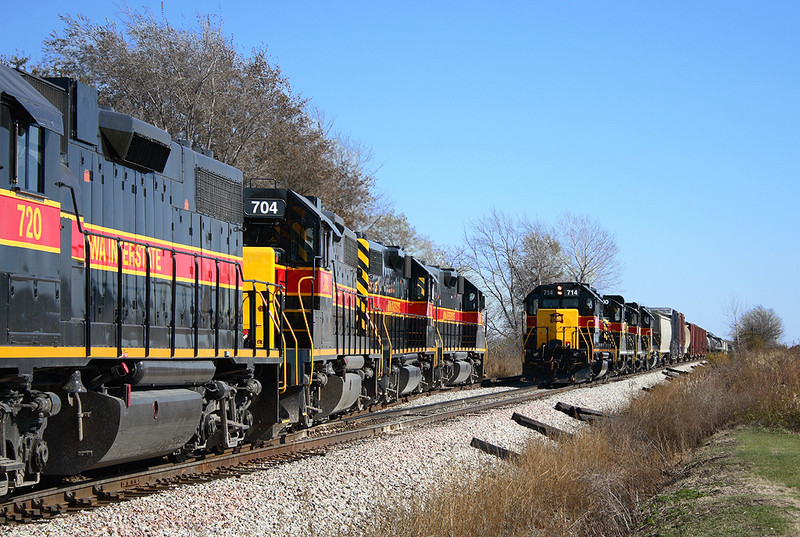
{"x": 350, "y": 252}
{"x": 218, "y": 196}
{"x": 376, "y": 262}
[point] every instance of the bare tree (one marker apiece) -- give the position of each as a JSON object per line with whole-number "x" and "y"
{"x": 493, "y": 251}
{"x": 19, "y": 61}
{"x": 542, "y": 258}
{"x": 508, "y": 257}
{"x": 197, "y": 86}
{"x": 590, "y": 250}
{"x": 760, "y": 327}
{"x": 733, "y": 314}
{"x": 393, "y": 229}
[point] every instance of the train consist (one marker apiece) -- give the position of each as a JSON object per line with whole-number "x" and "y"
{"x": 154, "y": 306}
{"x": 573, "y": 334}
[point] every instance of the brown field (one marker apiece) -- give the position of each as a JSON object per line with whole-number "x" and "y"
{"x": 598, "y": 482}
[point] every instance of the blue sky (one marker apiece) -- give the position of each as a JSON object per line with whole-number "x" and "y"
{"x": 676, "y": 124}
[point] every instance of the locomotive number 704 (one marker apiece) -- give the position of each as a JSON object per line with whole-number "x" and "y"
{"x": 272, "y": 208}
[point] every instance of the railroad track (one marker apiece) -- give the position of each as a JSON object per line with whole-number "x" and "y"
{"x": 90, "y": 493}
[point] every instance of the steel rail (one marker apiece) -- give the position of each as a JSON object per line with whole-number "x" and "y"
{"x": 49, "y": 502}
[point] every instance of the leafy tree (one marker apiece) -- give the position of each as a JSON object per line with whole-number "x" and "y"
{"x": 759, "y": 327}
{"x": 197, "y": 86}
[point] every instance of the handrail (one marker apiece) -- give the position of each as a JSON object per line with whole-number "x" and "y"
{"x": 275, "y": 324}
{"x": 283, "y": 340}
{"x": 391, "y": 345}
{"x": 370, "y": 305}
{"x": 441, "y": 342}
{"x": 589, "y": 344}
{"x": 305, "y": 319}
{"x": 148, "y": 275}
{"x": 296, "y": 352}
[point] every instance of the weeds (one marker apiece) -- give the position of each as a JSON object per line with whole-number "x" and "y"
{"x": 504, "y": 359}
{"x": 596, "y": 483}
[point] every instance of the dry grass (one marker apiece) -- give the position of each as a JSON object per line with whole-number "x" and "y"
{"x": 504, "y": 359}
{"x": 596, "y": 483}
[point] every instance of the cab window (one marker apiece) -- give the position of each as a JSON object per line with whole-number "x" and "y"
{"x": 470, "y": 301}
{"x": 27, "y": 156}
{"x": 550, "y": 303}
{"x": 569, "y": 303}
{"x": 303, "y": 235}
{"x": 265, "y": 233}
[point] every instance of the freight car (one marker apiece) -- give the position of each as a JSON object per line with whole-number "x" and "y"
{"x": 137, "y": 322}
{"x": 574, "y": 334}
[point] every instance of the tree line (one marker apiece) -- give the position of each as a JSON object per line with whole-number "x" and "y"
{"x": 197, "y": 85}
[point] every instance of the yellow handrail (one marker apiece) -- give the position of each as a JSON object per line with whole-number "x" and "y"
{"x": 441, "y": 342}
{"x": 277, "y": 330}
{"x": 296, "y": 352}
{"x": 589, "y": 344}
{"x": 305, "y": 319}
{"x": 377, "y": 335}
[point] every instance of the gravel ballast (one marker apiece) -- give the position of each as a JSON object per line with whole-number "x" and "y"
{"x": 327, "y": 494}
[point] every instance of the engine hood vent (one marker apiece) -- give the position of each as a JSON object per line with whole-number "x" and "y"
{"x": 133, "y": 142}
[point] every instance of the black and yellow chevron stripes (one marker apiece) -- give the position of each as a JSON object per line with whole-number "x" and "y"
{"x": 299, "y": 238}
{"x": 362, "y": 281}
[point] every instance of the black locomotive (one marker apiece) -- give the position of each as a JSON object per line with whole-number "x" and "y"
{"x": 147, "y": 314}
{"x": 364, "y": 322}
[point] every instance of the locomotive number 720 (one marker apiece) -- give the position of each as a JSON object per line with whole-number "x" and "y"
{"x": 33, "y": 217}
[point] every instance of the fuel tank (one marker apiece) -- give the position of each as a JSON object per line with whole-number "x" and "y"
{"x": 339, "y": 393}
{"x": 95, "y": 430}
{"x": 461, "y": 372}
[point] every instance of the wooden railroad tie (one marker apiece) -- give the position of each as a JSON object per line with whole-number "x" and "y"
{"x": 677, "y": 371}
{"x": 491, "y": 449}
{"x": 547, "y": 430}
{"x": 581, "y": 413}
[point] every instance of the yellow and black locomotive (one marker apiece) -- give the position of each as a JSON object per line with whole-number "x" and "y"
{"x": 574, "y": 334}
{"x": 364, "y": 322}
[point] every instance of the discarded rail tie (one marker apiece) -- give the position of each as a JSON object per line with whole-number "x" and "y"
{"x": 491, "y": 449}
{"x": 677, "y": 371}
{"x": 581, "y": 413}
{"x": 547, "y": 430}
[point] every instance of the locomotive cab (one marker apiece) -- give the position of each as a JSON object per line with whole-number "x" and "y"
{"x": 565, "y": 339}
{"x": 307, "y": 246}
